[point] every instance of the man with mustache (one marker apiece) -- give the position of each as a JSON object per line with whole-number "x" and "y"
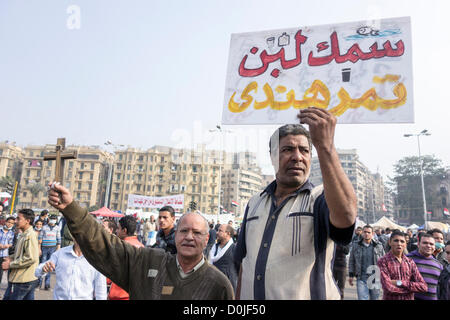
{"x": 287, "y": 239}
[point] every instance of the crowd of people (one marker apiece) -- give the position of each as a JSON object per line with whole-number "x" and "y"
{"x": 403, "y": 266}
{"x": 293, "y": 242}
{"x": 76, "y": 278}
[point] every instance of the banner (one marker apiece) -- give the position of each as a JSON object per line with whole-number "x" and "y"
{"x": 138, "y": 201}
{"x": 361, "y": 72}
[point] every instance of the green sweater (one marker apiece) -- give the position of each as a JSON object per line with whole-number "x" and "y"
{"x": 145, "y": 273}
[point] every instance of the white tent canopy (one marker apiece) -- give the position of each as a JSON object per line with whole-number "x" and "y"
{"x": 5, "y": 195}
{"x": 385, "y": 222}
{"x": 413, "y": 227}
{"x": 359, "y": 223}
{"x": 436, "y": 225}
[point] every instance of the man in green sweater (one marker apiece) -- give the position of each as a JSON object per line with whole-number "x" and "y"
{"x": 146, "y": 273}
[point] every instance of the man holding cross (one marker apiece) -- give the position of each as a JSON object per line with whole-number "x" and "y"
{"x": 147, "y": 273}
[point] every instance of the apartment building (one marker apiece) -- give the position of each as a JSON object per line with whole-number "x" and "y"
{"x": 85, "y": 176}
{"x": 161, "y": 171}
{"x": 369, "y": 188}
{"x": 239, "y": 184}
{"x": 11, "y": 160}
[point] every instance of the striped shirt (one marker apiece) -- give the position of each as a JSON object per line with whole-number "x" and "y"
{"x": 6, "y": 237}
{"x": 287, "y": 251}
{"x": 406, "y": 271}
{"x": 50, "y": 236}
{"x": 430, "y": 269}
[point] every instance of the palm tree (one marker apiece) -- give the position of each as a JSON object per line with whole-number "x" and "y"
{"x": 6, "y": 183}
{"x": 35, "y": 189}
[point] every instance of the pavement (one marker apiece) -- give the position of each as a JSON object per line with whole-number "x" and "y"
{"x": 41, "y": 294}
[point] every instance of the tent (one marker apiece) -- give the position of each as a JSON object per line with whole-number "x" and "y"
{"x": 359, "y": 223}
{"x": 384, "y": 223}
{"x": 436, "y": 225}
{"x": 105, "y": 212}
{"x": 5, "y": 195}
{"x": 413, "y": 227}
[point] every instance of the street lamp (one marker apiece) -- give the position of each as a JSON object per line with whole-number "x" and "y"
{"x": 222, "y": 131}
{"x": 108, "y": 184}
{"x": 422, "y": 133}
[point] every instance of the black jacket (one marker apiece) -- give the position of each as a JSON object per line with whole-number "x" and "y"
{"x": 227, "y": 265}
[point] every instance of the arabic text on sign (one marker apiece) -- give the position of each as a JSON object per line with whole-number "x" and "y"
{"x": 311, "y": 98}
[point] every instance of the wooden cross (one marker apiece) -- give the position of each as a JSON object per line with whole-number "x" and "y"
{"x": 60, "y": 155}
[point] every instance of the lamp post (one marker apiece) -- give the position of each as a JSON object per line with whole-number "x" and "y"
{"x": 222, "y": 131}
{"x": 108, "y": 183}
{"x": 422, "y": 133}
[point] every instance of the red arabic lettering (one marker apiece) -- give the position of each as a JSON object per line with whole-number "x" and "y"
{"x": 354, "y": 53}
{"x": 267, "y": 59}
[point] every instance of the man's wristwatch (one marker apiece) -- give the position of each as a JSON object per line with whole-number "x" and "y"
{"x": 399, "y": 283}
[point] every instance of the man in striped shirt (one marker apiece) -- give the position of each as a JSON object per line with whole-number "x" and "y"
{"x": 49, "y": 241}
{"x": 6, "y": 240}
{"x": 428, "y": 266}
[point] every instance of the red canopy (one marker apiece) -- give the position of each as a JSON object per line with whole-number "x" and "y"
{"x": 105, "y": 212}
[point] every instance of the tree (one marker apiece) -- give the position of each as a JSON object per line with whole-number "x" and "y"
{"x": 7, "y": 183}
{"x": 407, "y": 185}
{"x": 35, "y": 189}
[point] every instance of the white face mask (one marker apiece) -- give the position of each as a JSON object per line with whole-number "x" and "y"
{"x": 7, "y": 228}
{"x": 52, "y": 221}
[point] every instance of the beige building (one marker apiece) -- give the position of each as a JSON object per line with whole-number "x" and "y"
{"x": 369, "y": 188}
{"x": 267, "y": 179}
{"x": 161, "y": 171}
{"x": 11, "y": 158}
{"x": 239, "y": 184}
{"x": 85, "y": 176}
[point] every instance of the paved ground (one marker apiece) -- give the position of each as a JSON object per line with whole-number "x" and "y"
{"x": 38, "y": 294}
{"x": 349, "y": 293}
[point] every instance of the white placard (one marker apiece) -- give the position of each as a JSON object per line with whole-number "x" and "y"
{"x": 359, "y": 71}
{"x": 138, "y": 201}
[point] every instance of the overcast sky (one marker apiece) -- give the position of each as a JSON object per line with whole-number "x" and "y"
{"x": 144, "y": 73}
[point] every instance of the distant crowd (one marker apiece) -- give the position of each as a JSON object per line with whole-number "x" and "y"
{"x": 401, "y": 266}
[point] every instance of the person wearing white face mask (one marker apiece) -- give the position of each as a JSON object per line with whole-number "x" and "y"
{"x": 6, "y": 240}
{"x": 49, "y": 242}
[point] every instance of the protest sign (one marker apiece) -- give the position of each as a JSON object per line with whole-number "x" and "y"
{"x": 138, "y": 201}
{"x": 360, "y": 71}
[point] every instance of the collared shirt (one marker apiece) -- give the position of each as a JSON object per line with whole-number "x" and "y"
{"x": 6, "y": 237}
{"x": 406, "y": 271}
{"x": 286, "y": 251}
{"x": 76, "y": 279}
{"x": 187, "y": 274}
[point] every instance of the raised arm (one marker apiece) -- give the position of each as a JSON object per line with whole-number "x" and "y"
{"x": 339, "y": 193}
{"x": 105, "y": 252}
